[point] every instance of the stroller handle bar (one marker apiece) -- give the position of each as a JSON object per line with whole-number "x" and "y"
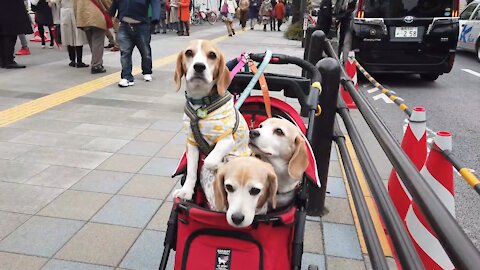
{"x": 282, "y": 59}
{"x": 315, "y": 76}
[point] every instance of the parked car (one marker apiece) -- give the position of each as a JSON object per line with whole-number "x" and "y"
{"x": 469, "y": 35}
{"x": 406, "y": 36}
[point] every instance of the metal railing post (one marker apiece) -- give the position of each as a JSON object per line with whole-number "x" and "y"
{"x": 323, "y": 128}
{"x": 314, "y": 44}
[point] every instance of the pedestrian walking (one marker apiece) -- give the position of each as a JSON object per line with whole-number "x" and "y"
{"x": 279, "y": 13}
{"x": 228, "y": 8}
{"x": 265, "y": 11}
{"x": 174, "y": 22}
{"x": 243, "y": 6}
{"x": 134, "y": 31}
{"x": 93, "y": 18}
{"x": 253, "y": 12}
{"x": 14, "y": 20}
{"x": 72, "y": 37}
{"x": 162, "y": 23}
{"x": 184, "y": 17}
{"x": 43, "y": 18}
{"x": 272, "y": 16}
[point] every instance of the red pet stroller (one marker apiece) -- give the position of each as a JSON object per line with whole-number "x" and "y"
{"x": 203, "y": 239}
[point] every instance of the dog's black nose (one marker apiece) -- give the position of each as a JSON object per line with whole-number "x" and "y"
{"x": 199, "y": 67}
{"x": 238, "y": 218}
{"x": 254, "y": 134}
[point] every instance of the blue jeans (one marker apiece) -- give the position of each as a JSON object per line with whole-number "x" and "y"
{"x": 129, "y": 36}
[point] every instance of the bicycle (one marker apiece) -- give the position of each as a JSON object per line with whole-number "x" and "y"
{"x": 199, "y": 16}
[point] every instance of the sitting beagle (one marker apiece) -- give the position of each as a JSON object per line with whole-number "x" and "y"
{"x": 212, "y": 123}
{"x": 245, "y": 186}
{"x": 281, "y": 143}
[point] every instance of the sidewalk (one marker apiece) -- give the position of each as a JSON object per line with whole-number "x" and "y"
{"x": 86, "y": 184}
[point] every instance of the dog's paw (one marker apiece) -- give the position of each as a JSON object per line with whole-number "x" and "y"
{"x": 210, "y": 164}
{"x": 183, "y": 193}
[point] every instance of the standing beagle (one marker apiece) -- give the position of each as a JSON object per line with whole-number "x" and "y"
{"x": 212, "y": 123}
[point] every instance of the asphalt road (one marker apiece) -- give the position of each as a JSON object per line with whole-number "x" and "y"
{"x": 453, "y": 104}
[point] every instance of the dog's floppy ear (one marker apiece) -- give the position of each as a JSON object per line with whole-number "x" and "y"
{"x": 273, "y": 186}
{"x": 179, "y": 72}
{"x": 223, "y": 76}
{"x": 219, "y": 190}
{"x": 299, "y": 161}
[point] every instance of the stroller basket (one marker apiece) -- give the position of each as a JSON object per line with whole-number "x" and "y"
{"x": 206, "y": 241}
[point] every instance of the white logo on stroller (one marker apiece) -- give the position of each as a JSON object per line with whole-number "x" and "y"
{"x": 223, "y": 259}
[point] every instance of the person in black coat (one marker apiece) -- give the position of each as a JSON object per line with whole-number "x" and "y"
{"x": 13, "y": 21}
{"x": 43, "y": 17}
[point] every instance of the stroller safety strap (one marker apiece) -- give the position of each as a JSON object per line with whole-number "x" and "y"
{"x": 256, "y": 77}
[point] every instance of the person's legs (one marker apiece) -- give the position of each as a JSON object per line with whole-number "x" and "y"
{"x": 23, "y": 40}
{"x": 71, "y": 55}
{"x": 252, "y": 23}
{"x": 126, "y": 48}
{"x": 111, "y": 40}
{"x": 229, "y": 28}
{"x": 279, "y": 23}
{"x": 79, "y": 53}
{"x": 142, "y": 41}
{"x": 187, "y": 28}
{"x": 52, "y": 37}
{"x": 163, "y": 25}
{"x": 41, "y": 31}
{"x": 98, "y": 41}
{"x": 7, "y": 50}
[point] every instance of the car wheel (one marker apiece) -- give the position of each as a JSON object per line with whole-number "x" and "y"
{"x": 429, "y": 76}
{"x": 478, "y": 50}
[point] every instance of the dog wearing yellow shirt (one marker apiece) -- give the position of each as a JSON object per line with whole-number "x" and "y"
{"x": 210, "y": 114}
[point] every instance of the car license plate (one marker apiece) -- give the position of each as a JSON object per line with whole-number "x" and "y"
{"x": 406, "y": 32}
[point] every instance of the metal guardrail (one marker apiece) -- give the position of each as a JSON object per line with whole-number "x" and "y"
{"x": 457, "y": 245}
{"x": 464, "y": 171}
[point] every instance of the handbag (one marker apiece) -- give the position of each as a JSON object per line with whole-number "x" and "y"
{"x": 224, "y": 9}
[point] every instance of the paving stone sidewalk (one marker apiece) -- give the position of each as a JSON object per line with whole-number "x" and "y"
{"x": 86, "y": 184}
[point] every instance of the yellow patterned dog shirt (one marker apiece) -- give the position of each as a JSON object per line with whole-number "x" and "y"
{"x": 219, "y": 124}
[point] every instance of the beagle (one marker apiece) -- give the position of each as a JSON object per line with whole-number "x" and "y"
{"x": 209, "y": 114}
{"x": 245, "y": 186}
{"x": 281, "y": 143}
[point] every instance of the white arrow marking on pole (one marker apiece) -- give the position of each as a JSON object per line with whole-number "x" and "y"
{"x": 382, "y": 96}
{"x": 373, "y": 90}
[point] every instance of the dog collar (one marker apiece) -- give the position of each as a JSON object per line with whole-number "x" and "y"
{"x": 204, "y": 101}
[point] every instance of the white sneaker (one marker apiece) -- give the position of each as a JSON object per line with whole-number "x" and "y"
{"x": 125, "y": 83}
{"x": 147, "y": 77}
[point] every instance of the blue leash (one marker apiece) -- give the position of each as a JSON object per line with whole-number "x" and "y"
{"x": 256, "y": 77}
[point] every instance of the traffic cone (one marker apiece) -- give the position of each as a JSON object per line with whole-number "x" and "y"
{"x": 438, "y": 173}
{"x": 414, "y": 143}
{"x": 351, "y": 71}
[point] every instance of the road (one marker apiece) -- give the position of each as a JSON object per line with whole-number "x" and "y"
{"x": 452, "y": 104}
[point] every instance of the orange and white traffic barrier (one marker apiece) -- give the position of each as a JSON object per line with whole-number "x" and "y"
{"x": 438, "y": 173}
{"x": 351, "y": 70}
{"x": 414, "y": 143}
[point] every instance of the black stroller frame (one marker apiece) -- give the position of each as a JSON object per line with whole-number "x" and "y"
{"x": 318, "y": 104}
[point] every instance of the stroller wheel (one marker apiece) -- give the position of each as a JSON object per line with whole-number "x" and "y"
{"x": 312, "y": 267}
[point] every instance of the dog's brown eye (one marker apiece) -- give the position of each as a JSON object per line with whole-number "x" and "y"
{"x": 254, "y": 191}
{"x": 212, "y": 55}
{"x": 260, "y": 126}
{"x": 229, "y": 188}
{"x": 279, "y": 132}
{"x": 189, "y": 53}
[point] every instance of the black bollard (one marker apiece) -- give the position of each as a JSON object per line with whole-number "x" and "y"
{"x": 315, "y": 48}
{"x": 308, "y": 36}
{"x": 323, "y": 130}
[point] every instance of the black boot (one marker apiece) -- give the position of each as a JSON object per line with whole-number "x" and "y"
{"x": 71, "y": 55}
{"x": 79, "y": 51}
